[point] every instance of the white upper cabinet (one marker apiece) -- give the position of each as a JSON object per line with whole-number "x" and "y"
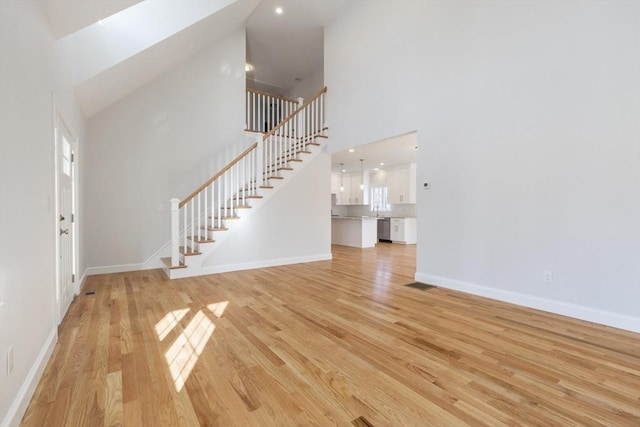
{"x": 358, "y": 195}
{"x": 401, "y": 184}
{"x": 351, "y": 194}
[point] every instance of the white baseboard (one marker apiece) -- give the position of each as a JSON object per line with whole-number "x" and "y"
{"x": 264, "y": 263}
{"x": 616, "y": 320}
{"x": 176, "y": 274}
{"x": 213, "y": 269}
{"x": 123, "y": 268}
{"x": 83, "y": 279}
{"x": 21, "y": 402}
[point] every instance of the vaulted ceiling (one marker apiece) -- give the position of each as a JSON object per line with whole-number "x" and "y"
{"x": 117, "y": 46}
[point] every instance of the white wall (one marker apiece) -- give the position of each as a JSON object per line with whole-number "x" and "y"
{"x": 292, "y": 226}
{"x": 527, "y": 120}
{"x": 162, "y": 141}
{"x": 32, "y": 74}
{"x": 308, "y": 87}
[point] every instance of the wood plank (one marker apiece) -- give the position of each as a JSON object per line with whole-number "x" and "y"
{"x": 340, "y": 342}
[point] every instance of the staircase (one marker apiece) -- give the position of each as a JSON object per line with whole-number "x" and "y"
{"x": 214, "y": 210}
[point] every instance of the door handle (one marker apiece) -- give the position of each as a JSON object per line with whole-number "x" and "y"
{"x": 65, "y": 231}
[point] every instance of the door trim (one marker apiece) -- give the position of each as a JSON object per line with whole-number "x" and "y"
{"x": 58, "y": 122}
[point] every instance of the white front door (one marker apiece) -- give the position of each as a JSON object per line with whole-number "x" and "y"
{"x": 65, "y": 171}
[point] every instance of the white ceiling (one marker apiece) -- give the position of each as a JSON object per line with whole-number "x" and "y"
{"x": 108, "y": 87}
{"x": 399, "y": 150}
{"x": 282, "y": 48}
{"x": 68, "y": 16}
{"x": 288, "y": 46}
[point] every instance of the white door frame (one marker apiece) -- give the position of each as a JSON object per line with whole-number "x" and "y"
{"x": 58, "y": 122}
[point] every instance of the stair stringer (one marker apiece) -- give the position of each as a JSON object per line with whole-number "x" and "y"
{"x": 194, "y": 263}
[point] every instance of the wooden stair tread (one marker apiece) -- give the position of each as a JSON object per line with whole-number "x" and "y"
{"x": 275, "y": 177}
{"x": 167, "y": 262}
{"x": 312, "y": 143}
{"x": 225, "y": 218}
{"x": 200, "y": 239}
{"x": 285, "y": 168}
{"x": 238, "y": 207}
{"x": 268, "y": 187}
{"x": 209, "y": 228}
{"x": 189, "y": 251}
{"x": 247, "y": 197}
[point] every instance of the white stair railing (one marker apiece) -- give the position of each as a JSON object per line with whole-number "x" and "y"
{"x": 285, "y": 141}
{"x": 264, "y": 110}
{"x": 203, "y": 211}
{"x": 194, "y": 219}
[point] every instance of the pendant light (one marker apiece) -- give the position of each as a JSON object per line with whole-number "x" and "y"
{"x": 341, "y": 173}
{"x": 361, "y": 174}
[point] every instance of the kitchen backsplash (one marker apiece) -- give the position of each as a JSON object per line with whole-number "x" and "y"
{"x": 399, "y": 210}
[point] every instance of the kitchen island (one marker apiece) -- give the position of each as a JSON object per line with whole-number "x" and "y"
{"x": 356, "y": 231}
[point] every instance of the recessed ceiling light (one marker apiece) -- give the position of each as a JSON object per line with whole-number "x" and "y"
{"x": 351, "y": 150}
{"x": 248, "y": 67}
{"x": 415, "y": 147}
{"x": 279, "y": 10}
{"x": 344, "y": 170}
{"x": 381, "y": 163}
{"x": 376, "y": 169}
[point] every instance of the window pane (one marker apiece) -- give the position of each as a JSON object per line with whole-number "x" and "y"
{"x": 66, "y": 157}
{"x": 379, "y": 199}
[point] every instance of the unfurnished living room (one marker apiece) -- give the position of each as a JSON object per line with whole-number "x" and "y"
{"x": 192, "y": 226}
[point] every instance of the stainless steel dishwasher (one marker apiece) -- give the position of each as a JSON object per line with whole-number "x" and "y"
{"x": 384, "y": 229}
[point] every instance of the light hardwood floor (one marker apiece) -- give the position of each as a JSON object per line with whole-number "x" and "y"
{"x": 339, "y": 342}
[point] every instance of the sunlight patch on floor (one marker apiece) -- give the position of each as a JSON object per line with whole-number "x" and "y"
{"x": 218, "y": 308}
{"x": 184, "y": 353}
{"x": 168, "y": 322}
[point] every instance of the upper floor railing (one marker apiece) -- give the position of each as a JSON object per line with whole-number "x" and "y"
{"x": 264, "y": 110}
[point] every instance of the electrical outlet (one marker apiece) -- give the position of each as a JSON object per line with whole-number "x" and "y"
{"x": 547, "y": 276}
{"x": 9, "y": 360}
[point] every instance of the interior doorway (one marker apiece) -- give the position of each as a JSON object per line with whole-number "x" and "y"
{"x": 66, "y": 202}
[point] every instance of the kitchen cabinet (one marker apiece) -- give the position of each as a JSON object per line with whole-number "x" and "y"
{"x": 401, "y": 184}
{"x": 342, "y": 197}
{"x": 403, "y": 230}
{"x": 358, "y": 232}
{"x": 335, "y": 183}
{"x": 358, "y": 196}
{"x": 351, "y": 193}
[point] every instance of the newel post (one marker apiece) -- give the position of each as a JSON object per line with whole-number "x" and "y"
{"x": 175, "y": 232}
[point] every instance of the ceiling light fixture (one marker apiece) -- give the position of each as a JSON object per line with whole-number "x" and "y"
{"x": 279, "y": 10}
{"x": 248, "y": 67}
{"x": 381, "y": 163}
{"x": 351, "y": 150}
